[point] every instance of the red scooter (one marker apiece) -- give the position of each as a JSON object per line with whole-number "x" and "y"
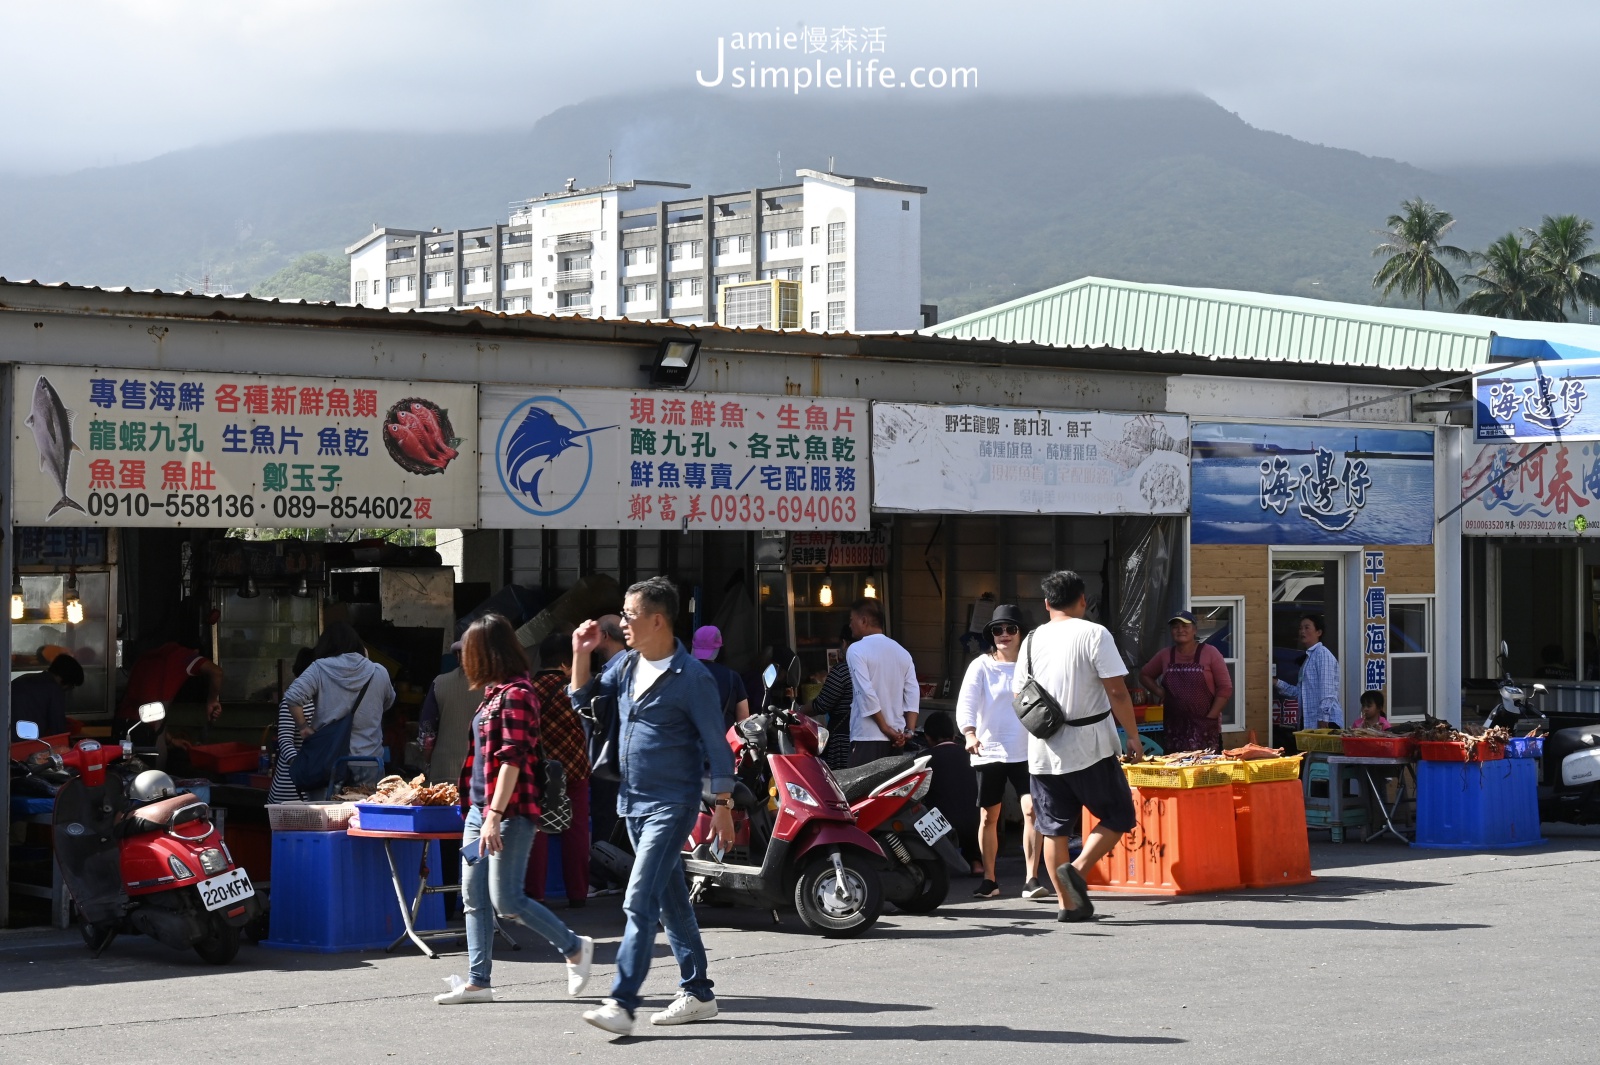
{"x": 886, "y": 797}
{"x": 812, "y": 855}
{"x": 140, "y": 857}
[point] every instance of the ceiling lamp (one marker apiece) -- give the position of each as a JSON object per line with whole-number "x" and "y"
{"x": 19, "y": 605}
{"x": 870, "y": 590}
{"x": 825, "y": 593}
{"x": 74, "y": 604}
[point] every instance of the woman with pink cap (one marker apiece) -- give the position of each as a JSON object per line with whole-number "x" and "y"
{"x": 730, "y": 686}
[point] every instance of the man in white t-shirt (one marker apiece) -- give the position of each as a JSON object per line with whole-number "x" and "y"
{"x": 885, "y": 696}
{"x": 1076, "y": 661}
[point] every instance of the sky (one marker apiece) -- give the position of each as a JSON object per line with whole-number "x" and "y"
{"x": 101, "y": 82}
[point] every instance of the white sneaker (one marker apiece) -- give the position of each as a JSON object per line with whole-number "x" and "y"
{"x": 686, "y": 1009}
{"x": 610, "y": 1017}
{"x": 462, "y": 993}
{"x": 578, "y": 971}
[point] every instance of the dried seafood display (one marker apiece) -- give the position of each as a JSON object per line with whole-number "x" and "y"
{"x": 397, "y": 791}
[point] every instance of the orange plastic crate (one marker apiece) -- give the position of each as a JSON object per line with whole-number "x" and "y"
{"x": 1183, "y": 844}
{"x": 1269, "y": 822}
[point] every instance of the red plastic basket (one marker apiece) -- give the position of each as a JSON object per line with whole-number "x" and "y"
{"x": 225, "y": 757}
{"x": 1382, "y": 747}
{"x": 1456, "y": 751}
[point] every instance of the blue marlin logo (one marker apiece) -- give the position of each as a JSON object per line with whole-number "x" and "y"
{"x": 539, "y": 436}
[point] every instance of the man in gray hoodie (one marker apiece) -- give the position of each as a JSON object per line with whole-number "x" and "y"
{"x": 331, "y": 684}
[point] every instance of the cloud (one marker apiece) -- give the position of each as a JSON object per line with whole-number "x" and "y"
{"x": 101, "y": 81}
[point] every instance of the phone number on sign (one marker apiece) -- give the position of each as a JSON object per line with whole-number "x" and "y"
{"x": 784, "y": 509}
{"x": 223, "y": 505}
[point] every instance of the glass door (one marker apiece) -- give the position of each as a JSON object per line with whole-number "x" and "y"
{"x": 1301, "y": 587}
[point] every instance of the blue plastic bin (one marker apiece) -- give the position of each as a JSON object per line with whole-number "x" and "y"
{"x": 1478, "y": 805}
{"x": 381, "y": 817}
{"x": 331, "y": 892}
{"x": 31, "y": 805}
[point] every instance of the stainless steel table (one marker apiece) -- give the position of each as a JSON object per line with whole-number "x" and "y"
{"x": 1370, "y": 769}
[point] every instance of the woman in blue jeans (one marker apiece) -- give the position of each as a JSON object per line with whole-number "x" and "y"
{"x": 502, "y": 804}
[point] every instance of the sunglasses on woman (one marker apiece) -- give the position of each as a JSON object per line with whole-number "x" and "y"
{"x": 1004, "y": 630}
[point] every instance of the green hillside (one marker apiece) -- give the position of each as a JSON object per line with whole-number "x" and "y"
{"x": 1023, "y": 192}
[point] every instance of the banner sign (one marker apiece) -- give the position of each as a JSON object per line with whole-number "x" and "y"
{"x": 993, "y": 460}
{"x": 169, "y": 448}
{"x": 847, "y": 550}
{"x": 1555, "y": 492}
{"x": 1313, "y": 484}
{"x": 601, "y": 458}
{"x": 1540, "y": 401}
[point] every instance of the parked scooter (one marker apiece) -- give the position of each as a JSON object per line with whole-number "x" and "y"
{"x": 812, "y": 855}
{"x": 139, "y": 856}
{"x": 1569, "y": 789}
{"x": 886, "y": 797}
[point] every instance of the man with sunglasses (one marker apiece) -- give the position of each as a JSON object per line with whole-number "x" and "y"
{"x": 669, "y": 735}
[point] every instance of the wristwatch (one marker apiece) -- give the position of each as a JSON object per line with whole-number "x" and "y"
{"x": 728, "y": 802}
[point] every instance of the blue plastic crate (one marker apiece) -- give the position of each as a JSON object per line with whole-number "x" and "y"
{"x": 1478, "y": 805}
{"x": 31, "y": 805}
{"x": 331, "y": 892}
{"x": 381, "y": 817}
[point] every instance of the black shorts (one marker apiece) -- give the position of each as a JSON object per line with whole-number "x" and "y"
{"x": 992, "y": 779}
{"x": 1059, "y": 799}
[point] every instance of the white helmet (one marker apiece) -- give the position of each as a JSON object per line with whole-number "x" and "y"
{"x": 151, "y": 785}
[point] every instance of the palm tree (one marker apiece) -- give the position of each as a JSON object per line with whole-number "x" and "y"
{"x": 1413, "y": 245}
{"x": 1510, "y": 284}
{"x": 1560, "y": 249}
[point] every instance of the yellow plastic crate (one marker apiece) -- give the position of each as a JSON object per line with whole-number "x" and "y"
{"x": 1320, "y": 741}
{"x": 1157, "y": 775}
{"x": 1261, "y": 770}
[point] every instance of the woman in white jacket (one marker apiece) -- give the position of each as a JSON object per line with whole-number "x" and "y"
{"x": 341, "y": 673}
{"x": 999, "y": 747}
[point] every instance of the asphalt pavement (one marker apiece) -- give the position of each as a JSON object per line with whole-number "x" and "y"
{"x": 1393, "y": 955}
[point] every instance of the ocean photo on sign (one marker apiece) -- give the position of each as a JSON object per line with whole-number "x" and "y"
{"x": 1311, "y": 485}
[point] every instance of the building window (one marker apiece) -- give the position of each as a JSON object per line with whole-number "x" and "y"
{"x": 685, "y": 249}
{"x": 361, "y": 291}
{"x": 639, "y": 256}
{"x": 816, "y": 321}
{"x": 574, "y": 299}
{"x": 742, "y": 244}
{"x": 836, "y": 314}
{"x": 1410, "y": 649}
{"x": 688, "y": 286}
{"x": 1220, "y": 622}
{"x": 816, "y": 274}
{"x": 816, "y": 238}
{"x": 645, "y": 293}
{"x": 508, "y": 272}
{"x": 723, "y": 245}
{"x": 411, "y": 283}
{"x": 835, "y": 278}
{"x": 574, "y": 262}
{"x": 394, "y": 284}
{"x": 905, "y": 205}
{"x": 835, "y": 238}
{"x": 795, "y": 237}
{"x": 544, "y": 282}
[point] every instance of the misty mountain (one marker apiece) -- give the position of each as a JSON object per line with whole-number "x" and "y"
{"x": 1023, "y": 192}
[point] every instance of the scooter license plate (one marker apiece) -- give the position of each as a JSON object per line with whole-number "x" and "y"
{"x": 931, "y": 826}
{"x": 226, "y": 889}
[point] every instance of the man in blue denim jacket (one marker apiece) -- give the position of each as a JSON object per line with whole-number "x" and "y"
{"x": 669, "y": 731}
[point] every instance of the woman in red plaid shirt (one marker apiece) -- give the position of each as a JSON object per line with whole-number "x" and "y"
{"x": 562, "y": 734}
{"x": 501, "y": 798}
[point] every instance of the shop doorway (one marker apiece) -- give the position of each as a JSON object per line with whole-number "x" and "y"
{"x": 1300, "y": 586}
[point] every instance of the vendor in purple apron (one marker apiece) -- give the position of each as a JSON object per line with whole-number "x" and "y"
{"x": 1191, "y": 681}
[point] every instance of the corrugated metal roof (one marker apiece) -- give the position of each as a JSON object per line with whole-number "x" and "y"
{"x": 1094, "y": 312}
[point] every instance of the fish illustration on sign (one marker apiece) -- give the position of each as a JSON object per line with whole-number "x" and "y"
{"x": 539, "y": 436}
{"x": 51, "y": 423}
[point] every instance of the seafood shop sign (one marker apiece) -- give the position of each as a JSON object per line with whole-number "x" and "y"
{"x": 615, "y": 459}
{"x": 162, "y": 448}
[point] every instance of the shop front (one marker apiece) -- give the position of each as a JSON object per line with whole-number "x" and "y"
{"x": 1333, "y": 521}
{"x": 983, "y": 502}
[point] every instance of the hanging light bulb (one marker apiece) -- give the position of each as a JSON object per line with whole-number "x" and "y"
{"x": 247, "y": 588}
{"x": 825, "y": 593}
{"x": 303, "y": 589}
{"x": 870, "y": 590}
{"x": 74, "y": 604}
{"x": 19, "y": 605}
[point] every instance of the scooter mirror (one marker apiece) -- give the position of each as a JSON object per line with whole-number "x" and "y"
{"x": 150, "y": 713}
{"x": 769, "y": 677}
{"x": 1505, "y": 650}
{"x": 796, "y": 672}
{"x": 27, "y": 730}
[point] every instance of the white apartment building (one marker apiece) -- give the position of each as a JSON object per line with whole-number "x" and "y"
{"x": 853, "y": 244}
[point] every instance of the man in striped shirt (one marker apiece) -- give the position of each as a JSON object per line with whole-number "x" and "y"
{"x": 1318, "y": 690}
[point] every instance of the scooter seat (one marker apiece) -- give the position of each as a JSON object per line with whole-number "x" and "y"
{"x": 165, "y": 814}
{"x": 743, "y": 797}
{"x": 858, "y": 782}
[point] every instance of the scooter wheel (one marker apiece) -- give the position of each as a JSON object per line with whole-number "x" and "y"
{"x": 931, "y": 895}
{"x": 839, "y": 907}
{"x": 221, "y": 942}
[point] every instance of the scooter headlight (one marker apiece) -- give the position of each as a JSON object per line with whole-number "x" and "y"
{"x": 179, "y": 870}
{"x": 212, "y": 861}
{"x": 799, "y": 794}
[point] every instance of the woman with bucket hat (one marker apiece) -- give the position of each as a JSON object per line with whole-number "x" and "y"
{"x": 1191, "y": 682}
{"x": 999, "y": 746}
